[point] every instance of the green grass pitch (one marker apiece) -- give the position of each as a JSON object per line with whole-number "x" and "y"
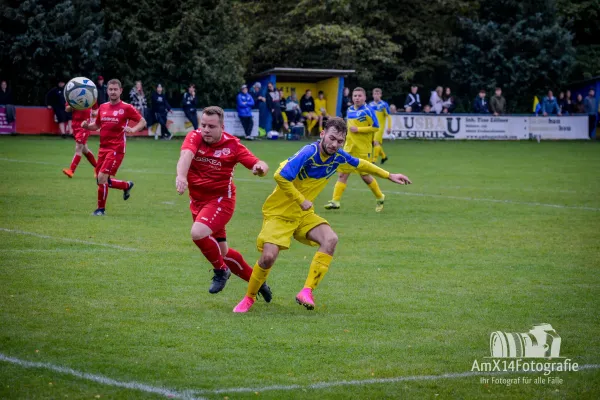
{"x": 491, "y": 236}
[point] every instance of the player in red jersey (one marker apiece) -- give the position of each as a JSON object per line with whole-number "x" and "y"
{"x": 208, "y": 158}
{"x": 81, "y": 136}
{"x": 112, "y": 121}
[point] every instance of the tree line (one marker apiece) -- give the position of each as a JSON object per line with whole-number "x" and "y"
{"x": 526, "y": 47}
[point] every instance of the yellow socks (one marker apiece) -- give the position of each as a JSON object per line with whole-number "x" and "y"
{"x": 318, "y": 268}
{"x": 376, "y": 152}
{"x": 311, "y": 124}
{"x": 258, "y": 277}
{"x": 375, "y": 189}
{"x": 338, "y": 191}
{"x": 381, "y": 152}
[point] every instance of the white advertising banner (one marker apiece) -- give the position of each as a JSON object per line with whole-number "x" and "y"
{"x": 487, "y": 127}
{"x": 179, "y": 125}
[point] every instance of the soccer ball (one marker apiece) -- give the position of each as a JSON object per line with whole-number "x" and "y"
{"x": 81, "y": 93}
{"x": 273, "y": 135}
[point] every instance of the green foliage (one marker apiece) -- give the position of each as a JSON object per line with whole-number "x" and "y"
{"x": 520, "y": 46}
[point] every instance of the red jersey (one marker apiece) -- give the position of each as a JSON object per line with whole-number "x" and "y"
{"x": 211, "y": 172}
{"x": 112, "y": 120}
{"x": 78, "y": 116}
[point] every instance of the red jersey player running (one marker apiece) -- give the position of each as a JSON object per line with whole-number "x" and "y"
{"x": 81, "y": 136}
{"x": 208, "y": 158}
{"x": 112, "y": 121}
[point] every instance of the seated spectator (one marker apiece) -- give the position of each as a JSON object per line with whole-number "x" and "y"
{"x": 550, "y": 105}
{"x": 307, "y": 106}
{"x": 449, "y": 101}
{"x": 292, "y": 109}
{"x": 480, "y": 105}
{"x": 321, "y": 109}
{"x": 413, "y": 100}
{"x": 578, "y": 107}
{"x": 408, "y": 109}
{"x": 427, "y": 109}
{"x": 498, "y": 103}
{"x": 160, "y": 109}
{"x": 55, "y": 100}
{"x": 286, "y": 126}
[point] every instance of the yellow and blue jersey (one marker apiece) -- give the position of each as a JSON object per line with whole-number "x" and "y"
{"x": 308, "y": 172}
{"x": 365, "y": 120}
{"x": 382, "y": 112}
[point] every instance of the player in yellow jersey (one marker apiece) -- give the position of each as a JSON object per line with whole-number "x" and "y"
{"x": 382, "y": 112}
{"x": 362, "y": 125}
{"x": 289, "y": 211}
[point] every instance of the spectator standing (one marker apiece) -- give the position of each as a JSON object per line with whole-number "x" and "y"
{"x": 568, "y": 110}
{"x": 449, "y": 101}
{"x": 160, "y": 109}
{"x": 550, "y": 105}
{"x": 256, "y": 95}
{"x": 189, "y": 104}
{"x": 591, "y": 109}
{"x": 102, "y": 90}
{"x": 274, "y": 106}
{"x": 307, "y": 106}
{"x": 413, "y": 100}
{"x": 321, "y": 109}
{"x": 346, "y": 102}
{"x": 480, "y": 105}
{"x": 578, "y": 107}
{"x": 292, "y": 109}
{"x": 55, "y": 100}
{"x": 436, "y": 100}
{"x": 6, "y": 100}
{"x": 284, "y": 118}
{"x": 498, "y": 103}
{"x": 137, "y": 99}
{"x": 245, "y": 103}
{"x": 562, "y": 102}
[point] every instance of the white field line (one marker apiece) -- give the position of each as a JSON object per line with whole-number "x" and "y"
{"x": 189, "y": 394}
{"x": 173, "y": 394}
{"x": 112, "y": 246}
{"x": 439, "y": 196}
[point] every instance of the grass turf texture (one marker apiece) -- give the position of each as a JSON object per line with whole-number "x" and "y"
{"x": 415, "y": 290}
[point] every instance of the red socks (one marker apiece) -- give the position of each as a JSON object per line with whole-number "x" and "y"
{"x": 236, "y": 263}
{"x": 102, "y": 195}
{"x": 90, "y": 157}
{"x": 210, "y": 248}
{"x": 117, "y": 184}
{"x": 75, "y": 162}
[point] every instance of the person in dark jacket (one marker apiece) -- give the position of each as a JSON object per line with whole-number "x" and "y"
{"x": 245, "y": 103}
{"x": 591, "y": 109}
{"x": 160, "y": 109}
{"x": 449, "y": 101}
{"x": 282, "y": 107}
{"x": 307, "y": 106}
{"x": 274, "y": 106}
{"x": 413, "y": 100}
{"x": 568, "y": 106}
{"x": 550, "y": 105}
{"x": 498, "y": 103}
{"x": 55, "y": 100}
{"x": 562, "y": 102}
{"x": 189, "y": 104}
{"x": 578, "y": 107}
{"x": 346, "y": 102}
{"x": 102, "y": 90}
{"x": 480, "y": 105}
{"x": 5, "y": 94}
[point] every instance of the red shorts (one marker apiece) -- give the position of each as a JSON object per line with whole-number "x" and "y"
{"x": 109, "y": 162}
{"x": 81, "y": 135}
{"x": 214, "y": 213}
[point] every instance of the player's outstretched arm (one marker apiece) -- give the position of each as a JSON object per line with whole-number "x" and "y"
{"x": 260, "y": 168}
{"x": 183, "y": 166}
{"x": 372, "y": 169}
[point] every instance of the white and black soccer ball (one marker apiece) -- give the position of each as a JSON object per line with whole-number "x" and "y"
{"x": 81, "y": 93}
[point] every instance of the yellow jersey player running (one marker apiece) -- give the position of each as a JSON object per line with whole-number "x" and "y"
{"x": 362, "y": 124}
{"x": 382, "y": 112}
{"x": 288, "y": 212}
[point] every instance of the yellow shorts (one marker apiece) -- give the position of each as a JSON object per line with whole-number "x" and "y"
{"x": 279, "y": 231}
{"x": 348, "y": 169}
{"x": 378, "y": 137}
